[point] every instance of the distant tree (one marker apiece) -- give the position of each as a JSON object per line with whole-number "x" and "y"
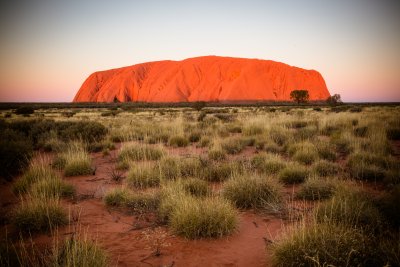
{"x": 300, "y": 96}
{"x": 199, "y": 105}
{"x": 334, "y": 100}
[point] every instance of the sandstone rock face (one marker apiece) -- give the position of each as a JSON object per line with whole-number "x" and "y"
{"x": 209, "y": 78}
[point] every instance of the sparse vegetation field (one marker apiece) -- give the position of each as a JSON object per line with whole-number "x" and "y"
{"x": 119, "y": 184}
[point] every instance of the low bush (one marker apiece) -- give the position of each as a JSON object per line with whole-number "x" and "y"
{"x": 26, "y": 110}
{"x": 393, "y": 133}
{"x": 15, "y": 151}
{"x": 293, "y": 174}
{"x": 252, "y": 192}
{"x": 361, "y": 131}
{"x": 195, "y": 136}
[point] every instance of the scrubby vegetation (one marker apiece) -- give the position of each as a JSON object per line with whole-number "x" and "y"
{"x": 329, "y": 175}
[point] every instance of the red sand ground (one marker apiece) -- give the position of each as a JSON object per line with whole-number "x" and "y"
{"x": 208, "y": 78}
{"x": 129, "y": 239}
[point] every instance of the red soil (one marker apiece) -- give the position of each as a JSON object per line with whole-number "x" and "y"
{"x": 208, "y": 78}
{"x": 128, "y": 239}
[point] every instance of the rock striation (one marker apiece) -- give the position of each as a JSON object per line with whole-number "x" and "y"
{"x": 209, "y": 78}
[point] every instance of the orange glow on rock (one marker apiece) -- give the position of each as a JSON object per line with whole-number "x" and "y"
{"x": 208, "y": 78}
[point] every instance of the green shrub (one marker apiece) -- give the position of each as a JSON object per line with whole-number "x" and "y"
{"x": 26, "y": 110}
{"x": 314, "y": 189}
{"x": 325, "y": 168}
{"x": 361, "y": 131}
{"x": 80, "y": 252}
{"x": 252, "y": 192}
{"x": 143, "y": 176}
{"x": 194, "y": 137}
{"x": 199, "y": 218}
{"x": 293, "y": 174}
{"x": 178, "y": 141}
{"x": 36, "y": 215}
{"x": 393, "y": 133}
{"x": 325, "y": 245}
{"x": 15, "y": 151}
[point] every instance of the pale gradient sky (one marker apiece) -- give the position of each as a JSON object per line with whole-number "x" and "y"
{"x": 49, "y": 47}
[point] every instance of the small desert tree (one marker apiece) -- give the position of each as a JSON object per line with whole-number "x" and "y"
{"x": 334, "y": 100}
{"x": 300, "y": 96}
{"x": 199, "y": 105}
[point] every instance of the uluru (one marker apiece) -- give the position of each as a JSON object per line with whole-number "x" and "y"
{"x": 208, "y": 78}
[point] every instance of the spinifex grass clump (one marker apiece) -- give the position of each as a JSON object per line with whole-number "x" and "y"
{"x": 75, "y": 160}
{"x": 325, "y": 245}
{"x": 233, "y": 145}
{"x": 316, "y": 189}
{"x": 143, "y": 176}
{"x": 41, "y": 181}
{"x": 116, "y": 197}
{"x": 37, "y": 215}
{"x": 178, "y": 141}
{"x": 304, "y": 152}
{"x": 196, "y": 187}
{"x": 208, "y": 217}
{"x": 251, "y": 191}
{"x": 136, "y": 152}
{"x": 134, "y": 201}
{"x": 38, "y": 171}
{"x": 363, "y": 166}
{"x": 293, "y": 174}
{"x": 270, "y": 164}
{"x": 219, "y": 172}
{"x": 351, "y": 208}
{"x": 193, "y": 217}
{"x": 79, "y": 252}
{"x": 325, "y": 168}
